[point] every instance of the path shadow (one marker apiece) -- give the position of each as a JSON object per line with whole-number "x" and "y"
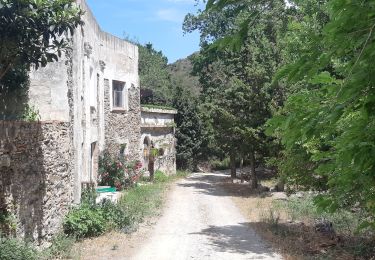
{"x": 218, "y": 184}
{"x": 240, "y": 239}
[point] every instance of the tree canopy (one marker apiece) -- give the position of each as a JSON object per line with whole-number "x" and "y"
{"x": 33, "y": 31}
{"x": 237, "y": 97}
{"x": 326, "y": 125}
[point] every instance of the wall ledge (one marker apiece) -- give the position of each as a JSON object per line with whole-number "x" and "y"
{"x": 159, "y": 110}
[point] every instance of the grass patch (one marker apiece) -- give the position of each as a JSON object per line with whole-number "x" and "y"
{"x": 291, "y": 226}
{"x": 304, "y": 209}
{"x": 147, "y": 198}
{"x": 142, "y": 201}
{"x": 16, "y": 249}
{"x": 61, "y": 248}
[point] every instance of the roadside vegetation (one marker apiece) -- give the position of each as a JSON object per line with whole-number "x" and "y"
{"x": 91, "y": 219}
{"x": 301, "y": 230}
{"x": 297, "y": 228}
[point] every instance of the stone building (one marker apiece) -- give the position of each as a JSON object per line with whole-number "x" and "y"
{"x": 88, "y": 101}
{"x": 158, "y": 134}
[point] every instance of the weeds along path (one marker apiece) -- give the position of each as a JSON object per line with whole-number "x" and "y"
{"x": 200, "y": 221}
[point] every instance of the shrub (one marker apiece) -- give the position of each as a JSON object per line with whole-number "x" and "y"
{"x": 305, "y": 209}
{"x": 13, "y": 249}
{"x": 91, "y": 219}
{"x": 115, "y": 216}
{"x": 160, "y": 176}
{"x": 118, "y": 173}
{"x": 7, "y": 223}
{"x": 220, "y": 165}
{"x": 85, "y": 221}
{"x": 61, "y": 247}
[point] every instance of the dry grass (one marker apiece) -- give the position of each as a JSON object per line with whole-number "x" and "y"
{"x": 294, "y": 239}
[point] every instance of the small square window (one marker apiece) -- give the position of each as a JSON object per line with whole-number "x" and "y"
{"x": 118, "y": 94}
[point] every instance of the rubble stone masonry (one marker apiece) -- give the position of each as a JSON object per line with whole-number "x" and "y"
{"x": 36, "y": 176}
{"x": 122, "y": 127}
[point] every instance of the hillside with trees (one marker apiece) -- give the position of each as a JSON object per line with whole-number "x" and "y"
{"x": 173, "y": 86}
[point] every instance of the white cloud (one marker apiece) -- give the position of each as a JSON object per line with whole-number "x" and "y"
{"x": 170, "y": 15}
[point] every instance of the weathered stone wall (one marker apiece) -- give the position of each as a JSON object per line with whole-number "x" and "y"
{"x": 158, "y": 130}
{"x": 162, "y": 138}
{"x": 123, "y": 126}
{"x": 36, "y": 180}
{"x": 43, "y": 166}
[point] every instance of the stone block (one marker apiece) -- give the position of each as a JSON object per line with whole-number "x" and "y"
{"x": 5, "y": 160}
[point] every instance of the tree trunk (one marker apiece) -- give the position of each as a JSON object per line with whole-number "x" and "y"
{"x": 151, "y": 167}
{"x": 253, "y": 175}
{"x": 4, "y": 70}
{"x": 241, "y": 168}
{"x": 233, "y": 165}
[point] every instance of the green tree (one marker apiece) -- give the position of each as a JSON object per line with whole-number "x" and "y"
{"x": 237, "y": 83}
{"x": 170, "y": 85}
{"x": 334, "y": 118}
{"x": 154, "y": 76}
{"x": 33, "y": 31}
{"x": 189, "y": 131}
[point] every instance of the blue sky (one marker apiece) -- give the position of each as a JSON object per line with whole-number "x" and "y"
{"x": 155, "y": 21}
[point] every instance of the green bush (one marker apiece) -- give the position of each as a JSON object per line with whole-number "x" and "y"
{"x": 91, "y": 219}
{"x": 13, "y": 249}
{"x": 115, "y": 216}
{"x": 142, "y": 201}
{"x": 160, "y": 177}
{"x": 220, "y": 165}
{"x": 85, "y": 221}
{"x": 344, "y": 221}
{"x": 118, "y": 172}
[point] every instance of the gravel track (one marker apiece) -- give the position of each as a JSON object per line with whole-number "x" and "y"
{"x": 200, "y": 221}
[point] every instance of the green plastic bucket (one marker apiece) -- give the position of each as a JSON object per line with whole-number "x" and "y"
{"x": 105, "y": 189}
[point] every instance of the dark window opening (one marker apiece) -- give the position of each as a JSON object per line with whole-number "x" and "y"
{"x": 118, "y": 94}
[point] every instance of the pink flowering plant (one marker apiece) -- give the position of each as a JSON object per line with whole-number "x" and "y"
{"x": 119, "y": 173}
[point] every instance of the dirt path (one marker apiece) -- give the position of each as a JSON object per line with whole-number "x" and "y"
{"x": 200, "y": 221}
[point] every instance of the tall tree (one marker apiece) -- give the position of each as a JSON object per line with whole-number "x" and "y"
{"x": 169, "y": 85}
{"x": 154, "y": 76}
{"x": 334, "y": 118}
{"x": 237, "y": 83}
{"x": 189, "y": 131}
